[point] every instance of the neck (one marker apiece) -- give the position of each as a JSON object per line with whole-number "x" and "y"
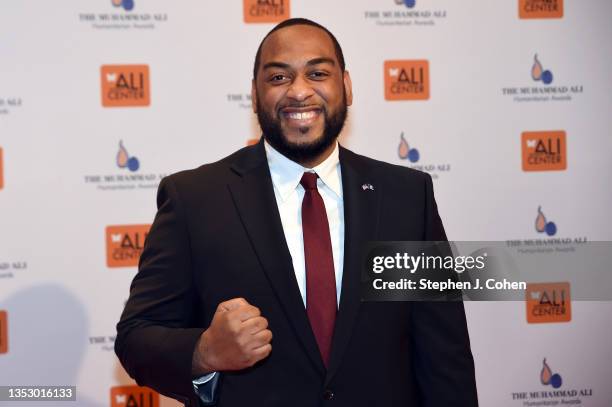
{"x": 313, "y": 162}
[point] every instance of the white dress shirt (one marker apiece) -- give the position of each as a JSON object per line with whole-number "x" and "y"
{"x": 289, "y": 193}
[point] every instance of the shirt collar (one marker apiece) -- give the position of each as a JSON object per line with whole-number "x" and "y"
{"x": 286, "y": 174}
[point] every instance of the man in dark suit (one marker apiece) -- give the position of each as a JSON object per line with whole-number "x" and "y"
{"x": 248, "y": 290}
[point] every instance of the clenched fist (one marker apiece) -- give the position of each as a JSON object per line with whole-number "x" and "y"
{"x": 237, "y": 338}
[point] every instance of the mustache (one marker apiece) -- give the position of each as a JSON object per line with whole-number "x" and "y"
{"x": 297, "y": 105}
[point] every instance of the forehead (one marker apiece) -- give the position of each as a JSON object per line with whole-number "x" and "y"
{"x": 296, "y": 44}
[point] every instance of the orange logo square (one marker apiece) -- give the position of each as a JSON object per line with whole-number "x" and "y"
{"x": 266, "y": 11}
{"x": 1, "y": 170}
{"x": 124, "y": 244}
{"x": 125, "y": 85}
{"x": 540, "y": 8}
{"x": 407, "y": 80}
{"x": 3, "y": 332}
{"x": 133, "y": 396}
{"x": 544, "y": 150}
{"x": 548, "y": 302}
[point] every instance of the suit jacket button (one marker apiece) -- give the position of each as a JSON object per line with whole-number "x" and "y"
{"x": 328, "y": 395}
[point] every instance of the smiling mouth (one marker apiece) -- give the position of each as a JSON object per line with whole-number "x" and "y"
{"x": 300, "y": 117}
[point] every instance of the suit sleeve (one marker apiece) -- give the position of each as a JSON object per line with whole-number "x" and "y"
{"x": 156, "y": 336}
{"x": 443, "y": 361}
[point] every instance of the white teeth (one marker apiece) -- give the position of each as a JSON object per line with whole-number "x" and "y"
{"x": 302, "y": 115}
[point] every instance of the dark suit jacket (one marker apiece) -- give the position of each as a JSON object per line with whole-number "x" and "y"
{"x": 218, "y": 235}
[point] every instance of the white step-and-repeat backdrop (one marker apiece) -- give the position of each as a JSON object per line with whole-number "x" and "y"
{"x": 507, "y": 103}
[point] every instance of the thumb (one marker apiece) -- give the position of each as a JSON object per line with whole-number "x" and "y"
{"x": 231, "y": 304}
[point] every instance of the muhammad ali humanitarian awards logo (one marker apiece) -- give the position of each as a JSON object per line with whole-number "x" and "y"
{"x": 127, "y": 5}
{"x": 544, "y": 226}
{"x": 546, "y": 87}
{"x": 12, "y": 268}
{"x": 125, "y": 161}
{"x": 103, "y": 342}
{"x": 131, "y": 180}
{"x": 412, "y": 156}
{"x": 122, "y": 15}
{"x": 241, "y": 100}
{"x": 1, "y": 168}
{"x": 549, "y": 243}
{"x": 406, "y": 13}
{"x": 9, "y": 104}
{"x": 556, "y": 392}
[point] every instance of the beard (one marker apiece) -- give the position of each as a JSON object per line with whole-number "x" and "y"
{"x": 301, "y": 152}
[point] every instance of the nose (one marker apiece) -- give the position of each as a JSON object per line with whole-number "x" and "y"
{"x": 300, "y": 89}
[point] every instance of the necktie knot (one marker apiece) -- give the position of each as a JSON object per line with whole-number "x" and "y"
{"x": 309, "y": 181}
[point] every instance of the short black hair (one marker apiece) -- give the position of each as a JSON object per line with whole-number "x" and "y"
{"x": 299, "y": 21}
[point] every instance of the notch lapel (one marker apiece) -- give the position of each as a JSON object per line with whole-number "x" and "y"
{"x": 253, "y": 195}
{"x": 361, "y": 213}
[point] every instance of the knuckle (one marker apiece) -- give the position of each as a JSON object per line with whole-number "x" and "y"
{"x": 234, "y": 327}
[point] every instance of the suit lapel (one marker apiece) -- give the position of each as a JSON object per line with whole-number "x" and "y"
{"x": 253, "y": 195}
{"x": 361, "y": 211}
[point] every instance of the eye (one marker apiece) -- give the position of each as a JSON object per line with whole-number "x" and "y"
{"x": 318, "y": 75}
{"x": 279, "y": 77}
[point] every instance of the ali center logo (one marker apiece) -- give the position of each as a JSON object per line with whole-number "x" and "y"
{"x": 406, "y": 80}
{"x": 124, "y": 244}
{"x": 543, "y": 90}
{"x": 266, "y": 11}
{"x": 548, "y": 302}
{"x": 125, "y": 85}
{"x": 3, "y": 332}
{"x": 133, "y": 396}
{"x": 540, "y": 9}
{"x": 544, "y": 150}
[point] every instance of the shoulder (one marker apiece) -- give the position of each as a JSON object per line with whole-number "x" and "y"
{"x": 212, "y": 175}
{"x": 391, "y": 175}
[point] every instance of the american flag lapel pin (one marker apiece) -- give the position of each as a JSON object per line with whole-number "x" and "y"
{"x": 367, "y": 186}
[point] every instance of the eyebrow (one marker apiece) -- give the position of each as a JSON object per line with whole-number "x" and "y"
{"x": 314, "y": 61}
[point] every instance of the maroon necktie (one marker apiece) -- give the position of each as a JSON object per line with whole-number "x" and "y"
{"x": 320, "y": 277}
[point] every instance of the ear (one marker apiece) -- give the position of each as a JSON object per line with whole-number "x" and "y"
{"x": 348, "y": 88}
{"x": 254, "y": 96}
